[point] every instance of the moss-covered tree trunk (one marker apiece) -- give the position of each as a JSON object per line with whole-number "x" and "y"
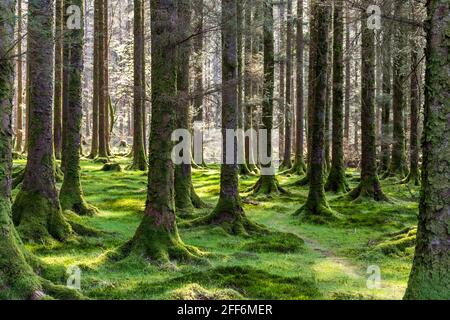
{"x": 348, "y": 58}
{"x": 57, "y": 99}
{"x": 17, "y": 280}
{"x": 185, "y": 197}
{"x": 398, "y": 166}
{"x": 370, "y": 185}
{"x": 157, "y": 236}
{"x": 139, "y": 158}
{"x": 36, "y": 210}
{"x": 102, "y": 99}
{"x": 268, "y": 183}
{"x": 281, "y": 59}
{"x": 71, "y": 194}
{"x": 299, "y": 166}
{"x": 430, "y": 275}
{"x": 414, "y": 175}
{"x": 95, "y": 85}
{"x": 107, "y": 106}
{"x": 19, "y": 114}
{"x": 229, "y": 211}
{"x": 287, "y": 162}
{"x": 316, "y": 206}
{"x": 336, "y": 179}
{"x": 386, "y": 103}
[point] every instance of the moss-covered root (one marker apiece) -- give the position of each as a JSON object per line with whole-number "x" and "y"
{"x": 298, "y": 168}
{"x": 268, "y": 185}
{"x": 400, "y": 171}
{"x": 412, "y": 178}
{"x": 337, "y": 182}
{"x": 159, "y": 243}
{"x": 38, "y": 219}
{"x": 197, "y": 202}
{"x": 17, "y": 279}
{"x": 231, "y": 217}
{"x": 73, "y": 200}
{"x": 368, "y": 190}
{"x": 318, "y": 213}
{"x": 302, "y": 182}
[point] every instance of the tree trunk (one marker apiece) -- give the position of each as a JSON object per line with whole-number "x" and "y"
{"x": 71, "y": 194}
{"x": 185, "y": 197}
{"x": 414, "y": 175}
{"x": 282, "y": 80}
{"x": 316, "y": 207}
{"x": 18, "y": 280}
{"x": 348, "y": 58}
{"x": 386, "y": 104}
{"x": 139, "y": 158}
{"x": 299, "y": 163}
{"x": 19, "y": 115}
{"x": 157, "y": 236}
{"x": 96, "y": 83}
{"x": 398, "y": 164}
{"x": 336, "y": 179}
{"x": 58, "y": 90}
{"x": 268, "y": 183}
{"x": 102, "y": 102}
{"x": 287, "y": 163}
{"x": 229, "y": 212}
{"x": 430, "y": 275}
{"x": 36, "y": 210}
{"x": 369, "y": 186}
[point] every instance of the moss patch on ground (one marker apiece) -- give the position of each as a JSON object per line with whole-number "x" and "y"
{"x": 296, "y": 261}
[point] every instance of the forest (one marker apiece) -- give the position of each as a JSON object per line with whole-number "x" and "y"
{"x": 224, "y": 150}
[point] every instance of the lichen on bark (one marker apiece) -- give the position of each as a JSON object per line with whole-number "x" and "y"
{"x": 430, "y": 275}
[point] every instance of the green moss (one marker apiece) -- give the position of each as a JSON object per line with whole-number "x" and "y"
{"x": 401, "y": 243}
{"x": 195, "y": 291}
{"x": 275, "y": 242}
{"x": 111, "y": 166}
{"x": 38, "y": 219}
{"x": 254, "y": 283}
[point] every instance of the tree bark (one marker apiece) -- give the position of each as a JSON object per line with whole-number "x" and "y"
{"x": 96, "y": 83}
{"x": 386, "y": 103}
{"x": 336, "y": 179}
{"x": 36, "y": 210}
{"x": 58, "y": 90}
{"x": 18, "y": 281}
{"x": 19, "y": 115}
{"x": 71, "y": 194}
{"x": 157, "y": 236}
{"x": 299, "y": 163}
{"x": 414, "y": 175}
{"x": 369, "y": 186}
{"x": 268, "y": 183}
{"x": 398, "y": 164}
{"x": 287, "y": 162}
{"x": 139, "y": 158}
{"x": 430, "y": 275}
{"x": 185, "y": 197}
{"x": 316, "y": 208}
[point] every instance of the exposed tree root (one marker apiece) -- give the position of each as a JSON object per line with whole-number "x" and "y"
{"x": 318, "y": 213}
{"x": 368, "y": 190}
{"x": 231, "y": 217}
{"x": 157, "y": 243}
{"x": 412, "y": 178}
{"x": 268, "y": 185}
{"x": 38, "y": 219}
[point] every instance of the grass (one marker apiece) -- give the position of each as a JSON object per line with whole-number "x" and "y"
{"x": 297, "y": 261}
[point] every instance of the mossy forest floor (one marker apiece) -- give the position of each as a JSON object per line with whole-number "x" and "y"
{"x": 332, "y": 263}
